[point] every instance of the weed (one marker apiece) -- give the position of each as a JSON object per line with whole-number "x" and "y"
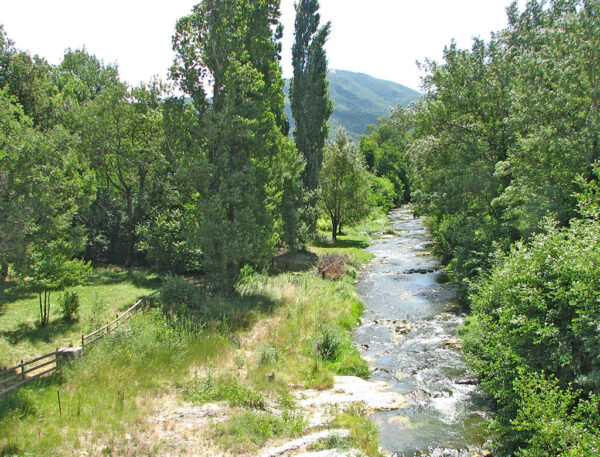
{"x": 225, "y": 388}
{"x": 328, "y": 342}
{"x": 250, "y": 430}
{"x": 363, "y": 433}
{"x": 267, "y": 354}
{"x": 69, "y": 304}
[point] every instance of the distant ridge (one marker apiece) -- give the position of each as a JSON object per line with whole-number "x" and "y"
{"x": 359, "y": 100}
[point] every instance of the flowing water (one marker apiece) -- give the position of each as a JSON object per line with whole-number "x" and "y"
{"x": 408, "y": 335}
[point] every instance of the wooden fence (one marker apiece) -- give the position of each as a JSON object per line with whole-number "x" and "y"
{"x": 25, "y": 372}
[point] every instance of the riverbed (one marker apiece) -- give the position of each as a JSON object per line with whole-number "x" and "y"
{"x": 408, "y": 335}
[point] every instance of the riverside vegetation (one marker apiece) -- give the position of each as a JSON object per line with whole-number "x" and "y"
{"x": 290, "y": 328}
{"x": 503, "y": 152}
{"x": 501, "y": 155}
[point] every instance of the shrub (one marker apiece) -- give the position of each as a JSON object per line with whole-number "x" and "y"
{"x": 69, "y": 304}
{"x": 537, "y": 311}
{"x": 178, "y": 295}
{"x": 250, "y": 430}
{"x": 383, "y": 194}
{"x": 328, "y": 342}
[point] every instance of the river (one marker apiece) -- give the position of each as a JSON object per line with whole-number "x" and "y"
{"x": 409, "y": 336}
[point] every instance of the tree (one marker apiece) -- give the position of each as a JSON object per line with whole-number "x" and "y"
{"x": 344, "y": 183}
{"x": 536, "y": 311}
{"x": 121, "y": 133}
{"x": 82, "y": 76}
{"x": 43, "y": 185}
{"x": 385, "y": 151}
{"x": 309, "y": 96}
{"x": 234, "y": 45}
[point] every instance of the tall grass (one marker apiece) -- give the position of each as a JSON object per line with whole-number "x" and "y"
{"x": 246, "y": 350}
{"x": 105, "y": 393}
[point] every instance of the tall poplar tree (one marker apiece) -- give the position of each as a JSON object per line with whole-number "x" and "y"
{"x": 232, "y": 46}
{"x": 309, "y": 96}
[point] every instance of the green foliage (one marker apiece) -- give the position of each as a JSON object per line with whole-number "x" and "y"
{"x": 363, "y": 432}
{"x": 69, "y": 304}
{"x": 327, "y": 343}
{"x": 493, "y": 158}
{"x": 382, "y": 193}
{"x": 121, "y": 133}
{"x": 536, "y": 312}
{"x": 309, "y": 98}
{"x": 554, "y": 420}
{"x": 178, "y": 296}
{"x": 167, "y": 241}
{"x": 385, "y": 152}
{"x": 248, "y": 155}
{"x": 343, "y": 180}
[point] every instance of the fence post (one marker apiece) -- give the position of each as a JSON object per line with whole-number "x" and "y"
{"x": 82, "y": 343}
{"x": 22, "y": 371}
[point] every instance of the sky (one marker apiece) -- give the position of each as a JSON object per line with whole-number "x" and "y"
{"x": 383, "y": 38}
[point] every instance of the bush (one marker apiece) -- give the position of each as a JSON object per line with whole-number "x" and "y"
{"x": 328, "y": 342}
{"x": 383, "y": 194}
{"x": 166, "y": 242}
{"x": 69, "y": 304}
{"x": 250, "y": 430}
{"x": 178, "y": 295}
{"x": 537, "y": 311}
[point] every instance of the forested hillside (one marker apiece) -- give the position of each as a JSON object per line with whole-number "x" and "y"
{"x": 359, "y": 100}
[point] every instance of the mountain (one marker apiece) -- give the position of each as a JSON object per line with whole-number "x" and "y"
{"x": 359, "y": 100}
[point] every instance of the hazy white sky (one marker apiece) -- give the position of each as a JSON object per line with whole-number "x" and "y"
{"x": 383, "y": 38}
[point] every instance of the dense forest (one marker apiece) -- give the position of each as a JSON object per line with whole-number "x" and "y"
{"x": 501, "y": 155}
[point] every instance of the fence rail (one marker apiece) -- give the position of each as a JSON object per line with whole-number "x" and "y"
{"x": 12, "y": 378}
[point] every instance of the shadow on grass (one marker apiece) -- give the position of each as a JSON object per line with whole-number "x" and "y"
{"x": 342, "y": 243}
{"x": 296, "y": 262}
{"x": 231, "y": 312}
{"x": 10, "y": 292}
{"x": 26, "y": 331}
{"x": 116, "y": 275}
{"x": 23, "y": 401}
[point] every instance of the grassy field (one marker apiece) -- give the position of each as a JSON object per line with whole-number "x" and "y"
{"x": 246, "y": 350}
{"x": 108, "y": 292}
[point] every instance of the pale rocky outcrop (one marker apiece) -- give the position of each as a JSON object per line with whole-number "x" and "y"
{"x": 350, "y": 389}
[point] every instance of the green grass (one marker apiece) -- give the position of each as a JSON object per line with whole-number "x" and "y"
{"x": 107, "y": 293}
{"x": 108, "y": 392}
{"x": 246, "y": 350}
{"x": 363, "y": 433}
{"x": 250, "y": 430}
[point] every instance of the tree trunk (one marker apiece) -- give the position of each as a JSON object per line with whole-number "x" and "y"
{"x": 45, "y": 309}
{"x": 131, "y": 234}
{"x": 5, "y": 270}
{"x": 334, "y": 231}
{"x": 340, "y": 229}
